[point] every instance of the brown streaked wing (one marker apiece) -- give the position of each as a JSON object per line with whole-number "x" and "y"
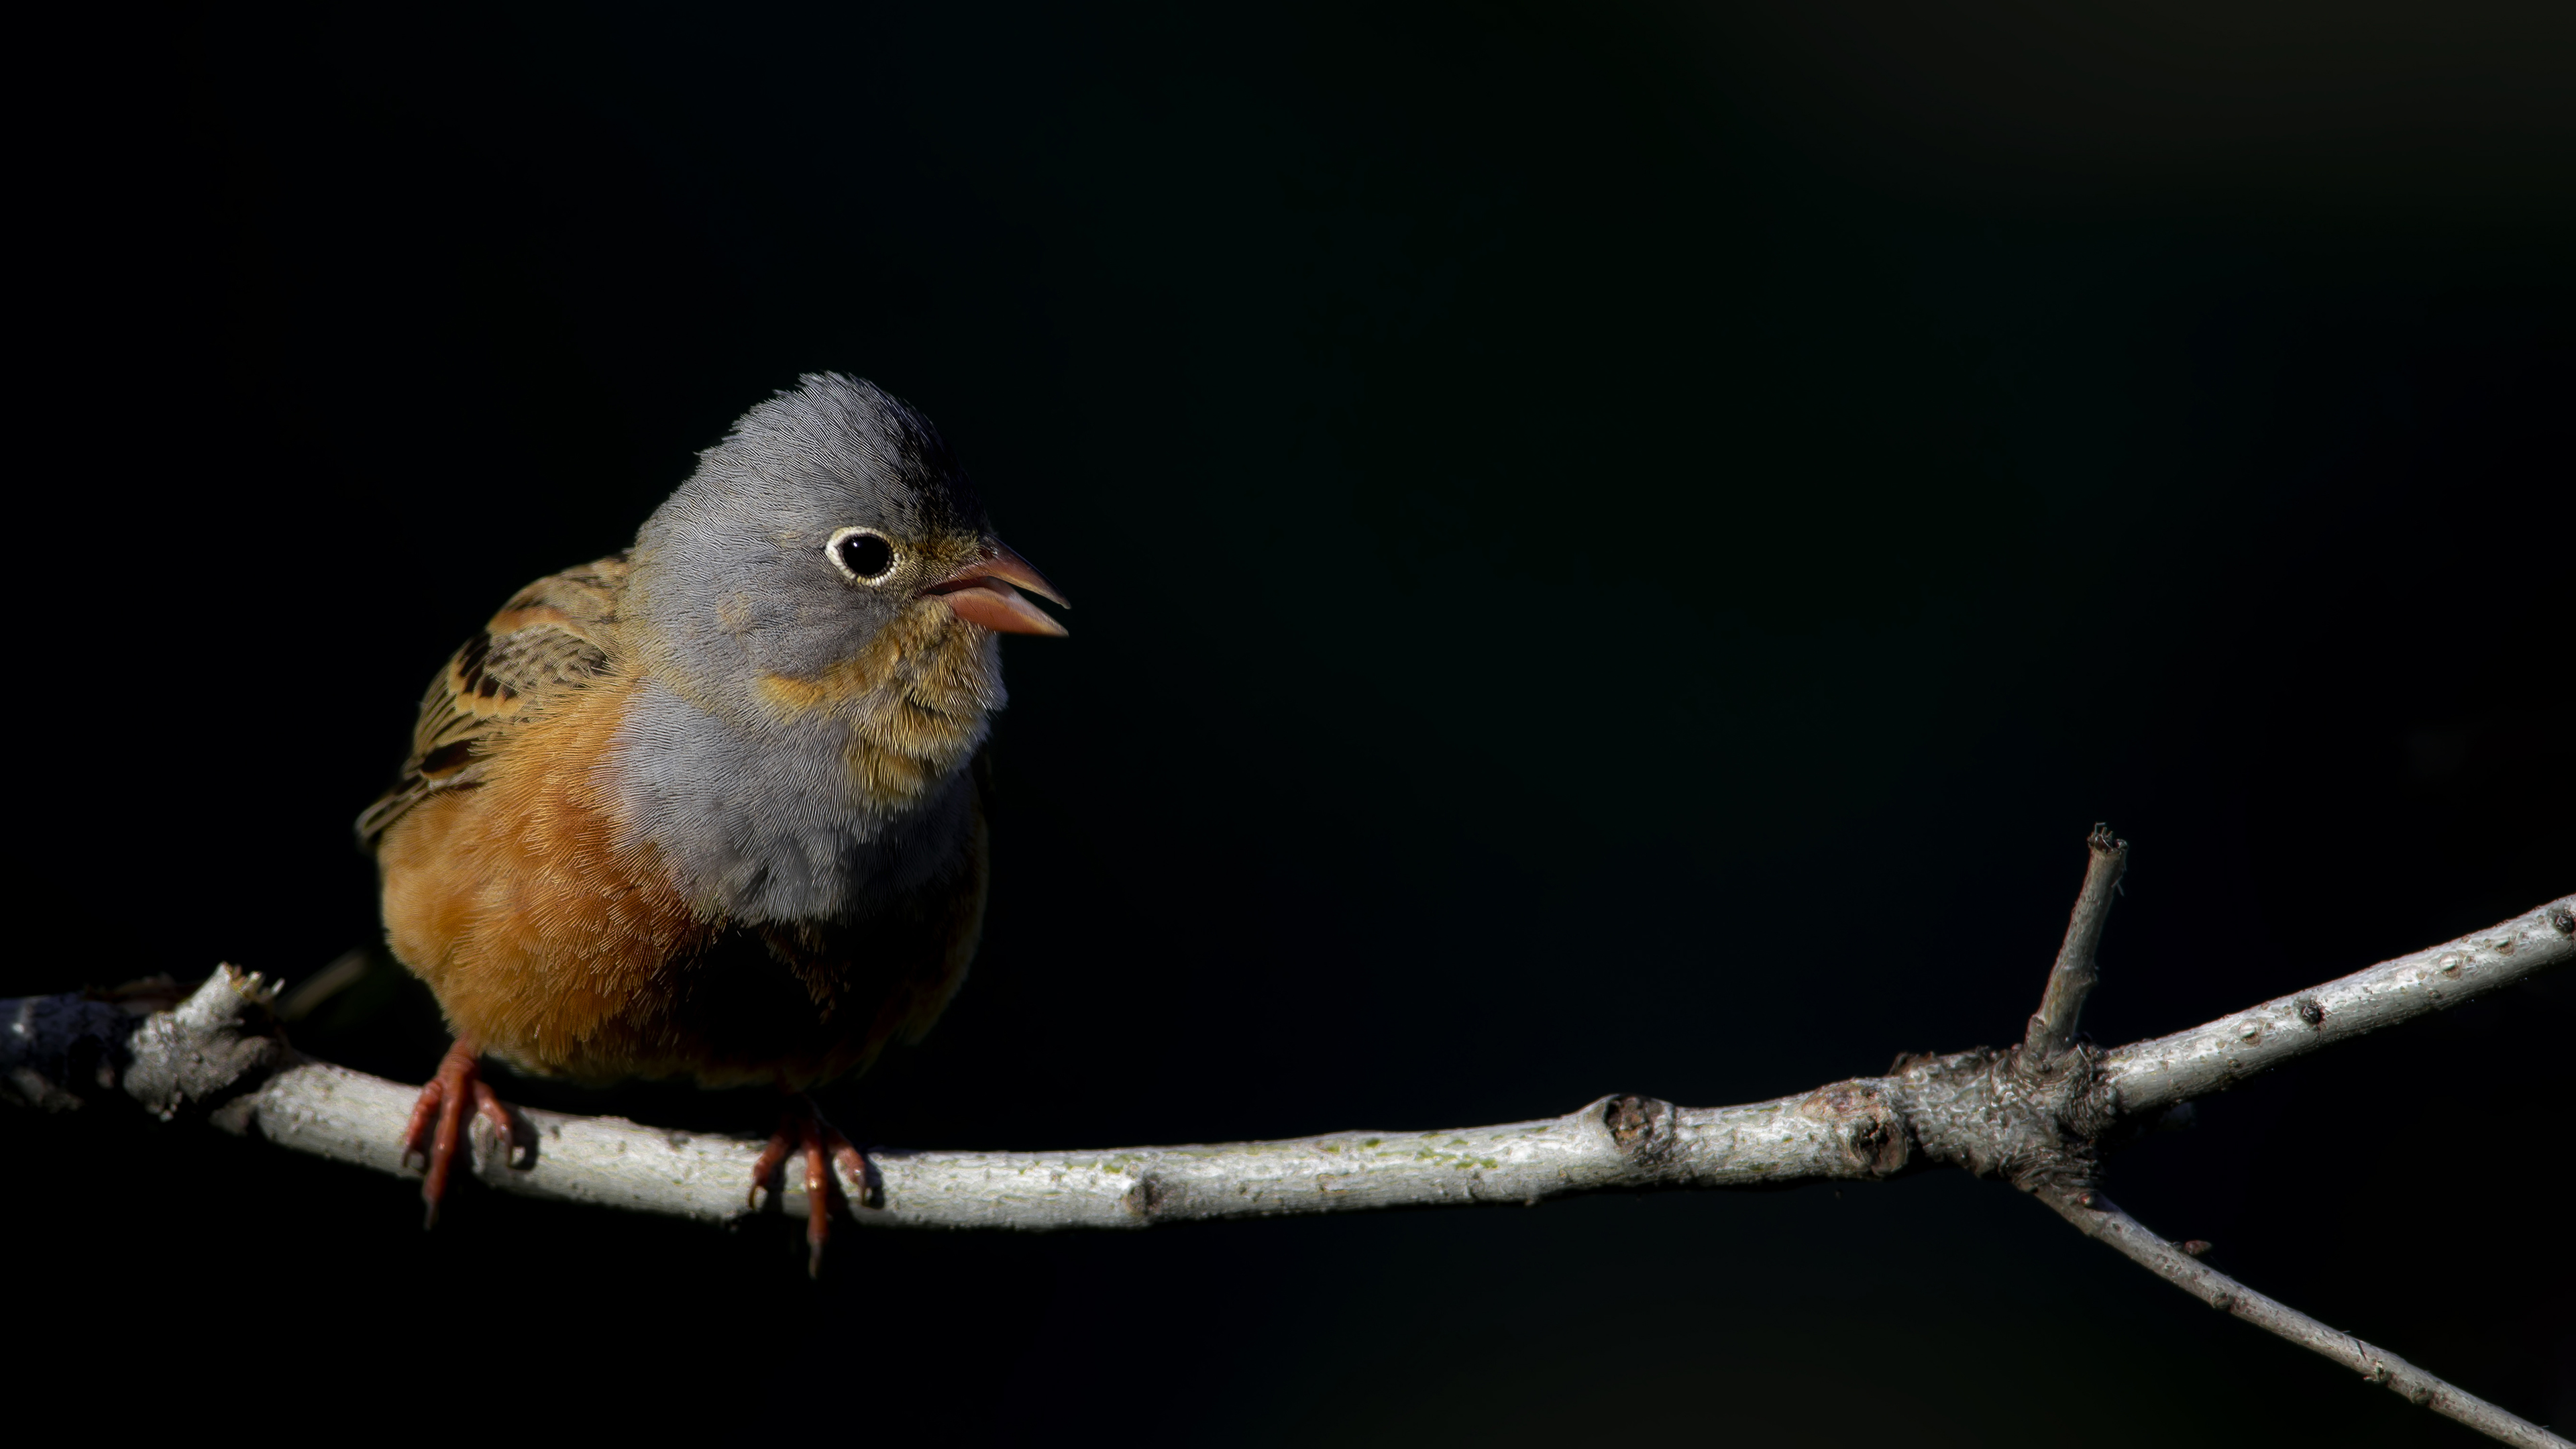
{"x": 551, "y": 637}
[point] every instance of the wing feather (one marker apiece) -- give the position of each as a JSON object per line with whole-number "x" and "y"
{"x": 552, "y": 637}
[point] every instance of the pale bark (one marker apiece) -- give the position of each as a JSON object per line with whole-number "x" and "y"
{"x": 1617, "y": 1142}
{"x": 2149, "y": 1075}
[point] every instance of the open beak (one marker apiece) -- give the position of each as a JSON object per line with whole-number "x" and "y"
{"x": 982, "y": 593}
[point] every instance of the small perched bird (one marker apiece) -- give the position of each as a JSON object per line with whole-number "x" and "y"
{"x": 708, "y": 808}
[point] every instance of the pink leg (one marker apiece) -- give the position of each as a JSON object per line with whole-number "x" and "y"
{"x": 803, "y": 1132}
{"x": 438, "y": 1121}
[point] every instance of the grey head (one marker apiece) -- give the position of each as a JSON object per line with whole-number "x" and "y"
{"x": 814, "y": 612}
{"x": 817, "y": 520}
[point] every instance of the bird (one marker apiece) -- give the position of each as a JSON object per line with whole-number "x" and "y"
{"x": 712, "y": 808}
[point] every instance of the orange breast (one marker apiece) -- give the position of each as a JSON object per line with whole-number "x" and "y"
{"x": 538, "y": 931}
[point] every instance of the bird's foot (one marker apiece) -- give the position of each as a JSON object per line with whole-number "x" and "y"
{"x": 802, "y": 1130}
{"x": 438, "y": 1121}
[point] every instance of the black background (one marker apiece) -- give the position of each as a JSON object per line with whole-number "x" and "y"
{"x": 1613, "y": 553}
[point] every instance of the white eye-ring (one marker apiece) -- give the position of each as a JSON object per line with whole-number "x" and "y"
{"x": 863, "y": 554}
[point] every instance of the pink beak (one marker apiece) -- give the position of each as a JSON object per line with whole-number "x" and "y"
{"x": 982, "y": 593}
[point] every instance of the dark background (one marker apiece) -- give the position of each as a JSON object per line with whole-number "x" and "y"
{"x": 1614, "y": 553}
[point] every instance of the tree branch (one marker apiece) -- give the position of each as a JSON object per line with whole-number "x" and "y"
{"x": 2099, "y": 1219}
{"x": 1614, "y": 1143}
{"x": 2037, "y": 1115}
{"x": 208, "y": 1055}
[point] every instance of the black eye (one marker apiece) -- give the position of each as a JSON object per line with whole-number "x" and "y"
{"x": 864, "y": 556}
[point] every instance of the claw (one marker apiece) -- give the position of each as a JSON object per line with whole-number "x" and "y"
{"x": 773, "y": 1156}
{"x": 424, "y": 1111}
{"x": 818, "y": 1196}
{"x": 851, "y": 1161}
{"x": 505, "y": 1129}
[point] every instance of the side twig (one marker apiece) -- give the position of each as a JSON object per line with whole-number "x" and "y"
{"x": 2052, "y": 1027}
{"x": 2100, "y": 1219}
